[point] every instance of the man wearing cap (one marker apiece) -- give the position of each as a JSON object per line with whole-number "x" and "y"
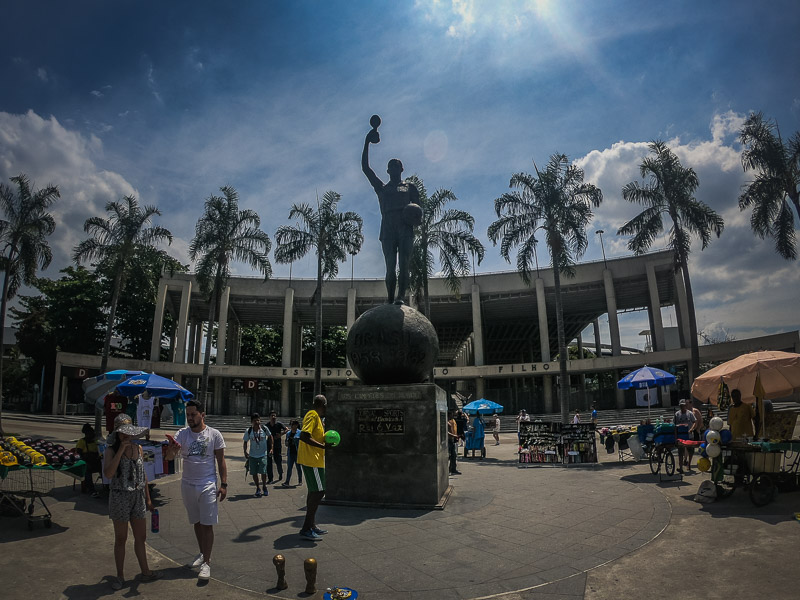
{"x": 684, "y": 417}
{"x": 200, "y": 446}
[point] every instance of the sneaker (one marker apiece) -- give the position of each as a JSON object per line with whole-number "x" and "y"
{"x": 310, "y": 535}
{"x": 285, "y": 484}
{"x": 455, "y": 472}
{"x": 319, "y": 531}
{"x": 258, "y": 493}
{"x": 266, "y": 492}
{"x": 205, "y": 571}
{"x": 116, "y": 583}
{"x": 198, "y": 561}
{"x": 269, "y": 480}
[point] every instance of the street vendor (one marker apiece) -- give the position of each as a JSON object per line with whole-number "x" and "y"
{"x": 740, "y": 417}
{"x": 684, "y": 417}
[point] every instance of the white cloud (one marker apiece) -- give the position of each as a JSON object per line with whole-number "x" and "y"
{"x": 739, "y": 282}
{"x": 42, "y": 74}
{"x": 49, "y": 153}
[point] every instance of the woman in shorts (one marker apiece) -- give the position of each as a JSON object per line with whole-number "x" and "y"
{"x": 129, "y": 497}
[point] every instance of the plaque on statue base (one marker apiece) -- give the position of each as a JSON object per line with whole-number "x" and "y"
{"x": 393, "y": 451}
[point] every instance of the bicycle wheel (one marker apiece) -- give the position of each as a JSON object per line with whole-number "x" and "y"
{"x": 762, "y": 489}
{"x": 669, "y": 463}
{"x": 655, "y": 460}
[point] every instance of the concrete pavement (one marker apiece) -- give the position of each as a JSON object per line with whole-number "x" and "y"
{"x": 506, "y": 532}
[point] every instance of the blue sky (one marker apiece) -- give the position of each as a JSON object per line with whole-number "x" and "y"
{"x": 171, "y": 100}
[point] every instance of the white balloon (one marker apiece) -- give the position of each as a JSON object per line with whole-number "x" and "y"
{"x": 713, "y": 450}
{"x": 716, "y": 424}
{"x": 712, "y": 437}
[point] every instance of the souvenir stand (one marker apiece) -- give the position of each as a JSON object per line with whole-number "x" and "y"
{"x": 551, "y": 443}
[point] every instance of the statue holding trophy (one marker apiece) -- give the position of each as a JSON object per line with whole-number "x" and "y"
{"x": 400, "y": 212}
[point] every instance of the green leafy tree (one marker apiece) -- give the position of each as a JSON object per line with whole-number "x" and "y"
{"x": 261, "y": 345}
{"x": 135, "y": 311}
{"x": 223, "y": 234}
{"x": 448, "y": 231}
{"x": 333, "y": 235}
{"x": 23, "y": 243}
{"x": 777, "y": 182}
{"x": 113, "y": 242}
{"x": 334, "y": 346}
{"x": 669, "y": 192}
{"x": 67, "y": 316}
{"x": 557, "y": 202}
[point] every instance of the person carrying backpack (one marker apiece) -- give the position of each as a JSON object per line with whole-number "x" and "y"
{"x": 260, "y": 448}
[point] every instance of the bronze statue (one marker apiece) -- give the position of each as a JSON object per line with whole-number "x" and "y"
{"x": 280, "y": 566}
{"x": 397, "y": 217}
{"x": 310, "y": 568}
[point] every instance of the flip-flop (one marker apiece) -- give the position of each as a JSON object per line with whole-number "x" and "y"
{"x": 152, "y": 576}
{"x": 116, "y": 583}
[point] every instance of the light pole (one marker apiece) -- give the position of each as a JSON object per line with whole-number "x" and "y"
{"x": 600, "y": 232}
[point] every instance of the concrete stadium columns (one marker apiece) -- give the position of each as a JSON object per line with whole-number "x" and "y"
{"x": 286, "y": 353}
{"x": 158, "y": 322}
{"x": 613, "y": 326}
{"x": 544, "y": 343}
{"x": 477, "y": 338}
{"x": 183, "y": 322}
{"x": 655, "y": 308}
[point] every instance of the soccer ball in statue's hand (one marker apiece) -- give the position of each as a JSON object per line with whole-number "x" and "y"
{"x": 412, "y": 214}
{"x": 375, "y": 121}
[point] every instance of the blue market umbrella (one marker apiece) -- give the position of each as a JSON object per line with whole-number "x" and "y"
{"x": 483, "y": 407}
{"x": 96, "y": 388}
{"x": 646, "y": 377}
{"x": 158, "y": 386}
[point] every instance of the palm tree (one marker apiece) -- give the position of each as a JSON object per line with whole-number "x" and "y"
{"x": 559, "y": 203}
{"x": 113, "y": 242}
{"x": 450, "y": 232}
{"x": 777, "y": 182}
{"x": 23, "y": 243}
{"x": 670, "y": 192}
{"x": 334, "y": 235}
{"x": 222, "y": 234}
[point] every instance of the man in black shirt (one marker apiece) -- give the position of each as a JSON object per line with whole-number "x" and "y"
{"x": 276, "y": 429}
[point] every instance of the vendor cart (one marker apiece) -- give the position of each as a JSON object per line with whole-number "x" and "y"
{"x": 762, "y": 468}
{"x": 21, "y": 486}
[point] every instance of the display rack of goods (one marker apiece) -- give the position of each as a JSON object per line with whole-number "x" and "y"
{"x": 578, "y": 444}
{"x": 540, "y": 442}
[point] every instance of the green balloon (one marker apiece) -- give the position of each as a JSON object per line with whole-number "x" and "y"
{"x": 332, "y": 437}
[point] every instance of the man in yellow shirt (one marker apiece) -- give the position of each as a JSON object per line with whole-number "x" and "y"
{"x": 740, "y": 417}
{"x": 311, "y": 457}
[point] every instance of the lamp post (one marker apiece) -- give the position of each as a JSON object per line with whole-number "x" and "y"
{"x": 600, "y": 232}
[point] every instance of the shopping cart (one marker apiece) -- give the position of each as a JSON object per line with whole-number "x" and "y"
{"x": 22, "y": 487}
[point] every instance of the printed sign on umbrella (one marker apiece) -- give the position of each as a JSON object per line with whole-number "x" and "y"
{"x": 159, "y": 387}
{"x": 646, "y": 377}
{"x": 96, "y": 388}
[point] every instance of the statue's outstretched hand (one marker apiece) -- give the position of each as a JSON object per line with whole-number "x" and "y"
{"x": 373, "y": 137}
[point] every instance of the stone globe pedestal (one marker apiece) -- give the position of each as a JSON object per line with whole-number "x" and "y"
{"x": 393, "y": 451}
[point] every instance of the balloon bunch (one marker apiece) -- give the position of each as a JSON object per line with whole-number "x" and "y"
{"x": 716, "y": 436}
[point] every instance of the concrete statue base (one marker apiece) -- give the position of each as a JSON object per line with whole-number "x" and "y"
{"x": 393, "y": 451}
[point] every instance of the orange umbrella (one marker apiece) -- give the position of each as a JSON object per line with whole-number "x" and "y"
{"x": 777, "y": 372}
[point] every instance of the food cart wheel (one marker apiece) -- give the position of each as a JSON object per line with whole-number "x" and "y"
{"x": 669, "y": 463}
{"x": 725, "y": 487}
{"x": 655, "y": 460}
{"x": 762, "y": 489}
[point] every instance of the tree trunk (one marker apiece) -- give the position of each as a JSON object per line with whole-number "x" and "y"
{"x": 563, "y": 387}
{"x": 695, "y": 366}
{"x": 318, "y": 332}
{"x": 427, "y": 297}
{"x": 212, "y": 309}
{"x": 3, "y": 306}
{"x": 98, "y": 413}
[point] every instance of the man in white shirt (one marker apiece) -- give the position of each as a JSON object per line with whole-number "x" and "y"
{"x": 200, "y": 446}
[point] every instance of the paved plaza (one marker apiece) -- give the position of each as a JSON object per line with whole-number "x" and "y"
{"x": 506, "y": 532}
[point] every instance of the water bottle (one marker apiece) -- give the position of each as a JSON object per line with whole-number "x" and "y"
{"x": 154, "y": 521}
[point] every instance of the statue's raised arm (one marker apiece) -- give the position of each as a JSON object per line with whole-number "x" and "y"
{"x": 373, "y": 137}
